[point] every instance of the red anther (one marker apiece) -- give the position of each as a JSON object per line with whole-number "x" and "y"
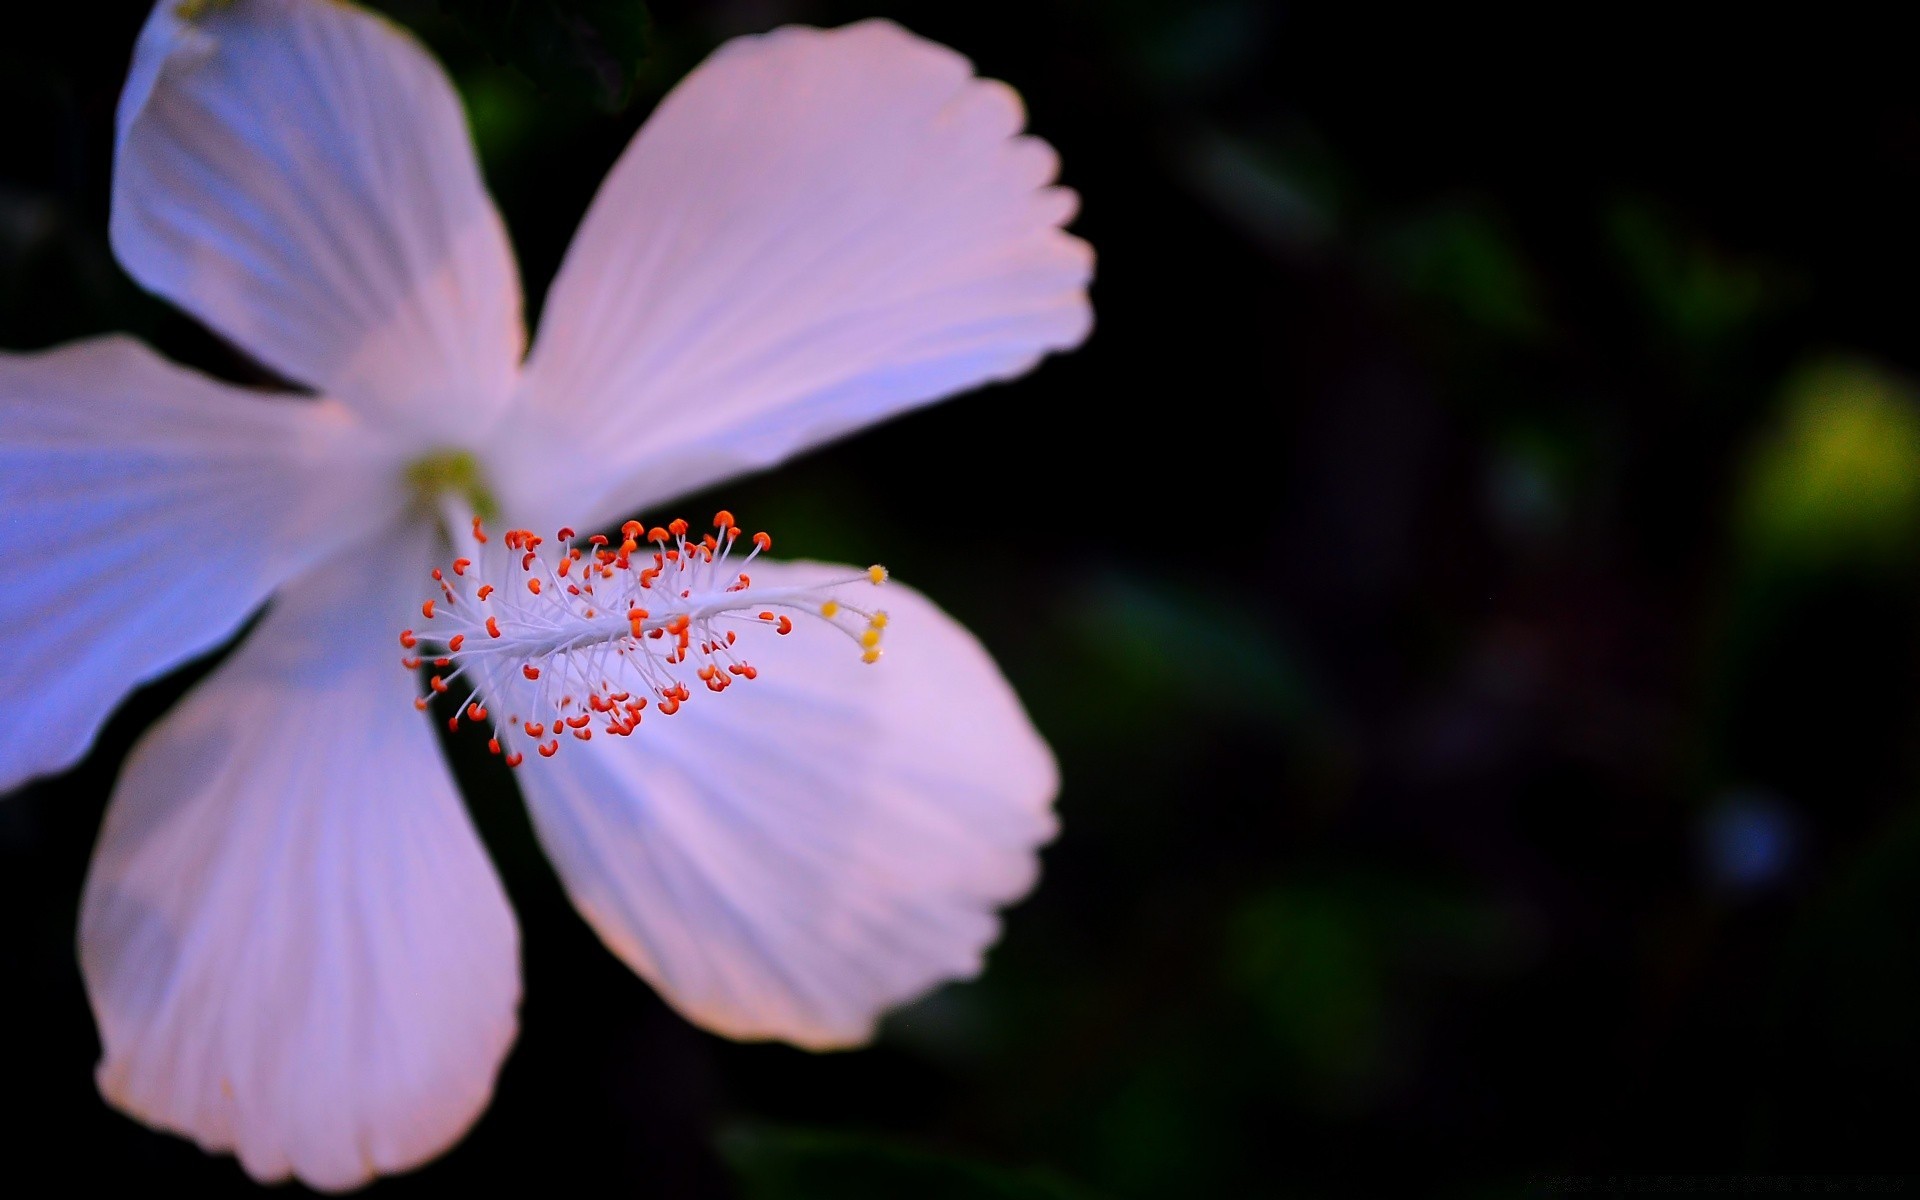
{"x": 766, "y": 616}
{"x": 531, "y": 672}
{"x": 573, "y": 589}
{"x": 533, "y": 585}
{"x": 566, "y": 564}
{"x": 585, "y": 735}
{"x": 442, "y": 662}
{"x": 456, "y": 641}
{"x": 486, "y": 589}
{"x": 730, "y": 636}
{"x": 438, "y": 684}
{"x": 746, "y": 581}
{"x": 526, "y": 560}
{"x": 598, "y": 539}
{"x": 752, "y": 672}
{"x": 786, "y": 624}
{"x": 709, "y": 543}
{"x": 534, "y": 729}
{"x": 578, "y": 722}
{"x": 762, "y": 542}
{"x": 656, "y": 534}
{"x": 549, "y": 749}
{"x": 420, "y": 702}
{"x": 598, "y": 703}
{"x": 565, "y": 534}
{"x": 737, "y": 668}
{"x": 493, "y": 627}
{"x": 722, "y": 519}
{"x": 426, "y": 610}
{"x": 677, "y": 527}
{"x": 407, "y": 639}
{"x": 656, "y": 633}
{"x": 669, "y": 705}
{"x": 673, "y": 556}
{"x": 460, "y": 565}
{"x": 515, "y": 759}
{"x": 620, "y": 697}
{"x": 411, "y": 663}
{"x": 453, "y": 723}
{"x": 706, "y": 672}
{"x": 479, "y": 534}
{"x": 475, "y": 712}
{"x": 493, "y": 745}
{"x": 437, "y": 576}
{"x": 717, "y": 684}
{"x": 632, "y": 529}
{"x": 648, "y": 576}
{"x": 733, "y": 532}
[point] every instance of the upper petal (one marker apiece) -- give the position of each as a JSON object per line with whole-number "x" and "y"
{"x": 145, "y": 511}
{"x": 790, "y": 858}
{"x": 299, "y": 176}
{"x": 816, "y": 230}
{"x": 295, "y": 946}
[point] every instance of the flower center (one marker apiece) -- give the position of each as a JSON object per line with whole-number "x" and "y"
{"x": 564, "y": 637}
{"x": 450, "y": 473}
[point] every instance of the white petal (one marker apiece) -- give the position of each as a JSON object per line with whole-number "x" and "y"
{"x": 790, "y": 858}
{"x": 299, "y": 176}
{"x": 145, "y": 511}
{"x": 295, "y": 946}
{"x": 816, "y": 230}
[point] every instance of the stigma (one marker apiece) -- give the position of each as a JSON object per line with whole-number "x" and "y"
{"x": 556, "y": 641}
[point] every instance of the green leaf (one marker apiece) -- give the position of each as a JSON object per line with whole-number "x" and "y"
{"x": 584, "y": 50}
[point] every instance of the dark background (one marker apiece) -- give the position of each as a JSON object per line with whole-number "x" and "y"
{"x": 1469, "y": 579}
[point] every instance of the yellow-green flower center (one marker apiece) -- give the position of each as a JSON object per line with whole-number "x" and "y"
{"x": 451, "y": 473}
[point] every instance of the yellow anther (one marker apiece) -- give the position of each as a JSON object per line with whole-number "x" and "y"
{"x": 830, "y": 609}
{"x": 879, "y": 620}
{"x": 877, "y": 573}
{"x": 871, "y": 656}
{"x": 870, "y": 638}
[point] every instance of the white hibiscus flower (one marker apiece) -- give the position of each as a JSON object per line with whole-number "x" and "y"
{"x": 294, "y": 944}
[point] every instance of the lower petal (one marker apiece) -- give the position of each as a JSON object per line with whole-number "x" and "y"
{"x": 295, "y": 946}
{"x": 791, "y": 858}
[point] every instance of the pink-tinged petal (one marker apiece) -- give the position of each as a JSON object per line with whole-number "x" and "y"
{"x": 296, "y": 948}
{"x": 816, "y": 230}
{"x": 299, "y": 176}
{"x": 145, "y": 512}
{"x": 789, "y": 859}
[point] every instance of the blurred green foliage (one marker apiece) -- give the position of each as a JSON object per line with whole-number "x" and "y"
{"x": 1837, "y": 478}
{"x": 584, "y": 50}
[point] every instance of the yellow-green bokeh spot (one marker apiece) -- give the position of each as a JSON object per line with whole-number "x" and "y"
{"x": 1839, "y": 479}
{"x": 451, "y": 473}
